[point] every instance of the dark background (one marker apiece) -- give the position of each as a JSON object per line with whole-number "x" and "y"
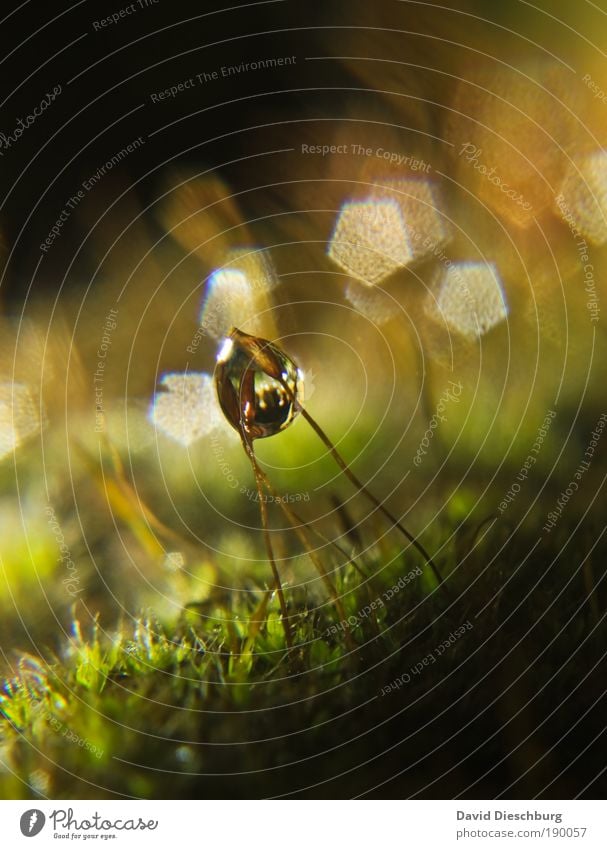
{"x": 108, "y": 76}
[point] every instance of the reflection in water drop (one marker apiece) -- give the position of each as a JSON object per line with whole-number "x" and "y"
{"x": 237, "y": 293}
{"x": 259, "y": 387}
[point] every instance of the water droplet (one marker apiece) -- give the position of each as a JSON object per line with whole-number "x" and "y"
{"x": 255, "y": 397}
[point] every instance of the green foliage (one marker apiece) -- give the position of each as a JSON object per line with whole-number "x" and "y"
{"x": 121, "y": 712}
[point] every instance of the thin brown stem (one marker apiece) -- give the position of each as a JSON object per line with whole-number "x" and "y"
{"x": 294, "y": 517}
{"x": 269, "y": 549}
{"x": 369, "y": 495}
{"x": 298, "y": 525}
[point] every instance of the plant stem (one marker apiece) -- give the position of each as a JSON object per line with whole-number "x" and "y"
{"x": 372, "y": 498}
{"x": 298, "y": 525}
{"x": 248, "y": 446}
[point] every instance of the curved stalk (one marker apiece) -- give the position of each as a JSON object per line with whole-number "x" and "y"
{"x": 269, "y": 549}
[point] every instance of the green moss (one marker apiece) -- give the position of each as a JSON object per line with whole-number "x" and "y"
{"x": 189, "y": 701}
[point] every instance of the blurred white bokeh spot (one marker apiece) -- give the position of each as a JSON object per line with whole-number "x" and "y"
{"x": 582, "y": 200}
{"x": 128, "y": 425}
{"x": 468, "y": 298}
{"x": 20, "y": 416}
{"x": 256, "y": 264}
{"x": 375, "y": 304}
{"x": 427, "y": 228}
{"x": 370, "y": 240}
{"x": 174, "y": 561}
{"x": 188, "y": 410}
{"x": 399, "y": 223}
{"x": 229, "y": 297}
{"x": 237, "y": 294}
